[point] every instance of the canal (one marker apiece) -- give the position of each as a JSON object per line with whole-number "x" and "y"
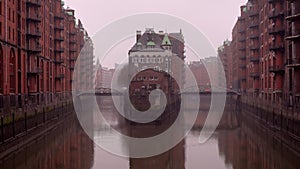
{"x": 239, "y": 143}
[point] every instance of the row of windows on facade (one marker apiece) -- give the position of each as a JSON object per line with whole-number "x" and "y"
{"x": 10, "y": 12}
{"x": 148, "y": 60}
{"x": 156, "y": 68}
{"x": 151, "y": 78}
{"x": 11, "y": 32}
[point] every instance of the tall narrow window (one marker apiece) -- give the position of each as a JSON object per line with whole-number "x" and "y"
{"x": 1, "y": 70}
{"x": 0, "y": 7}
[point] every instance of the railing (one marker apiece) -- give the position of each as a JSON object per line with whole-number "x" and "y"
{"x": 277, "y": 29}
{"x": 254, "y": 47}
{"x": 59, "y": 27}
{"x": 34, "y": 48}
{"x": 59, "y": 38}
{"x": 35, "y": 70}
{"x": 254, "y": 23}
{"x": 274, "y": 13}
{"x": 294, "y": 34}
{"x": 276, "y": 46}
{"x": 60, "y": 16}
{"x": 242, "y": 39}
{"x": 241, "y": 30}
{"x": 34, "y": 32}
{"x": 12, "y": 125}
{"x": 59, "y": 61}
{"x": 32, "y": 16}
{"x": 60, "y": 76}
{"x": 72, "y": 40}
{"x": 254, "y": 74}
{"x": 254, "y": 36}
{"x": 72, "y": 58}
{"x": 59, "y": 49}
{"x": 243, "y": 57}
{"x": 72, "y": 50}
{"x": 294, "y": 61}
{"x": 72, "y": 32}
{"x": 276, "y": 68}
{"x": 242, "y": 67}
{"x": 243, "y": 78}
{"x": 272, "y": 1}
{"x": 34, "y": 2}
{"x": 253, "y": 13}
{"x": 242, "y": 48}
{"x": 293, "y": 17}
{"x": 254, "y": 59}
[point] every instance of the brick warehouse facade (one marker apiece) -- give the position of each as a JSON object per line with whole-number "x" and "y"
{"x": 39, "y": 44}
{"x": 264, "y": 52}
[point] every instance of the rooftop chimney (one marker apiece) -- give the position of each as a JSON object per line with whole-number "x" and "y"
{"x": 138, "y": 35}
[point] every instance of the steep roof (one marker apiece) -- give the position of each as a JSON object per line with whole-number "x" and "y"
{"x": 149, "y": 38}
{"x": 166, "y": 41}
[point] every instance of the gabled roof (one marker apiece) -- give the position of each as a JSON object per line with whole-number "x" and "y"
{"x": 166, "y": 41}
{"x": 149, "y": 38}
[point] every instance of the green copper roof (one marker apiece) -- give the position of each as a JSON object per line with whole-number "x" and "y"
{"x": 150, "y": 43}
{"x": 166, "y": 40}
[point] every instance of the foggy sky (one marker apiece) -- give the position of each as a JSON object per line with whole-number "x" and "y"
{"x": 214, "y": 18}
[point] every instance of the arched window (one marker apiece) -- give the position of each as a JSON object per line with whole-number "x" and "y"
{"x": 12, "y": 71}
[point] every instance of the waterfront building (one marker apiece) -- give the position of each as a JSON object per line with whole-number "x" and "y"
{"x": 157, "y": 52}
{"x": 292, "y": 80}
{"x": 264, "y": 52}
{"x": 39, "y": 44}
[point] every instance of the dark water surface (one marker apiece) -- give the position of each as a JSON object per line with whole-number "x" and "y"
{"x": 243, "y": 144}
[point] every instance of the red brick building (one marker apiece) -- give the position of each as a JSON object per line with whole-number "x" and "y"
{"x": 200, "y": 71}
{"x": 39, "y": 44}
{"x": 292, "y": 83}
{"x": 225, "y": 55}
{"x": 264, "y": 52}
{"x": 161, "y": 52}
{"x": 200, "y": 74}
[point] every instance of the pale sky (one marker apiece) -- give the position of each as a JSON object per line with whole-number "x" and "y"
{"x": 214, "y": 18}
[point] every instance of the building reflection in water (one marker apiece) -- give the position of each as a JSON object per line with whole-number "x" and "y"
{"x": 238, "y": 143}
{"x": 65, "y": 147}
{"x": 172, "y": 159}
{"x": 252, "y": 146}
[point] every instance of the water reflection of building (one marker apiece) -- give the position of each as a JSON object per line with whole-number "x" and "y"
{"x": 172, "y": 159}
{"x": 66, "y": 147}
{"x": 252, "y": 146}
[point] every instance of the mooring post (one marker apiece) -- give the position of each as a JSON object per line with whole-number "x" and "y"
{"x": 2, "y": 129}
{"x": 26, "y": 121}
{"x": 44, "y": 115}
{"x": 13, "y": 120}
{"x": 35, "y": 117}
